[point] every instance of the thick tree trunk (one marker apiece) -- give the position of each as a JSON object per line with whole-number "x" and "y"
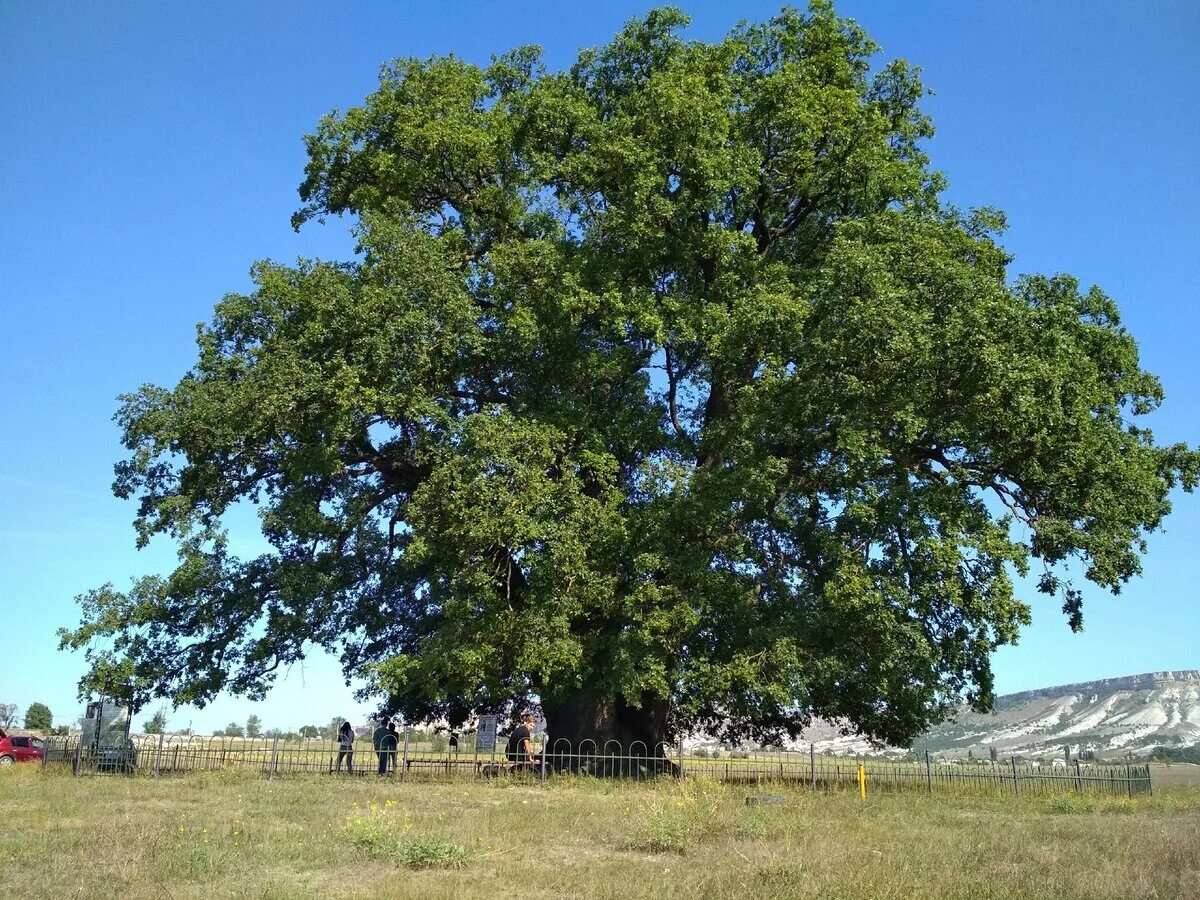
{"x": 586, "y": 733}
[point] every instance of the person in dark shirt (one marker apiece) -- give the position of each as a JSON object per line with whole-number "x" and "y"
{"x": 346, "y": 748}
{"x": 394, "y": 731}
{"x": 384, "y": 744}
{"x": 520, "y": 745}
{"x": 453, "y": 743}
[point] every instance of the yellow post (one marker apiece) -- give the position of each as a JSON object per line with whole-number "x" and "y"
{"x": 862, "y": 782}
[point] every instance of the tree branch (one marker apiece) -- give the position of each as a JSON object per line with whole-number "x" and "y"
{"x": 672, "y": 385}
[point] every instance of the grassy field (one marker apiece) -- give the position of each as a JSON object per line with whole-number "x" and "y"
{"x": 1175, "y": 774}
{"x": 233, "y": 834}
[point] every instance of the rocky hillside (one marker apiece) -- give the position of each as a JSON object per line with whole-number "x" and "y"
{"x": 1112, "y": 717}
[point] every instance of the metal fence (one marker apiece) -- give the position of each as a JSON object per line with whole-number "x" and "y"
{"x": 158, "y": 755}
{"x": 997, "y": 777}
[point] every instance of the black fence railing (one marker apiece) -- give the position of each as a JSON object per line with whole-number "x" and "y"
{"x": 160, "y": 755}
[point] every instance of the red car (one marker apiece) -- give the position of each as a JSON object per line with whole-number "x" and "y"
{"x": 20, "y": 748}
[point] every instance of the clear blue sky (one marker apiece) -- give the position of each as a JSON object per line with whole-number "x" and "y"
{"x": 149, "y": 152}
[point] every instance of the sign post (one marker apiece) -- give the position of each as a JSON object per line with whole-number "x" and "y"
{"x": 404, "y": 764}
{"x": 274, "y": 758}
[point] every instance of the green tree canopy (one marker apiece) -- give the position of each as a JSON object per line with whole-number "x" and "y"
{"x": 156, "y": 724}
{"x": 38, "y": 717}
{"x": 666, "y": 391}
{"x": 253, "y": 727}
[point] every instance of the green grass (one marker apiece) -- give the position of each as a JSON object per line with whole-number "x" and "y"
{"x": 235, "y": 834}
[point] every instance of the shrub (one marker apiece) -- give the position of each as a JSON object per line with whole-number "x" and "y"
{"x": 661, "y": 833}
{"x": 700, "y": 753}
{"x": 375, "y": 830}
{"x": 432, "y": 853}
{"x": 370, "y": 835}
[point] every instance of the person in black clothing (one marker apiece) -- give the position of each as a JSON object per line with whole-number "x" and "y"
{"x": 346, "y": 748}
{"x": 520, "y": 746}
{"x": 384, "y": 739}
{"x": 395, "y": 733}
{"x": 453, "y": 743}
{"x": 378, "y": 733}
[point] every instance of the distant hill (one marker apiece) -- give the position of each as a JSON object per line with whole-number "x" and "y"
{"x": 1111, "y": 717}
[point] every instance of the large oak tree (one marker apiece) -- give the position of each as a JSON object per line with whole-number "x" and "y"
{"x": 665, "y": 391}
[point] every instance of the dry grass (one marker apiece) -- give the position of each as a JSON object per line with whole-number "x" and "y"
{"x": 1175, "y": 774}
{"x": 233, "y": 834}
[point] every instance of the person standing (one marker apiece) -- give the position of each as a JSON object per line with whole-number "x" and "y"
{"x": 377, "y": 741}
{"x": 394, "y": 730}
{"x": 390, "y": 743}
{"x": 346, "y": 748}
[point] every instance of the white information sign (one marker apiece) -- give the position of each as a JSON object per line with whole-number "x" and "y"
{"x": 105, "y": 724}
{"x": 485, "y": 733}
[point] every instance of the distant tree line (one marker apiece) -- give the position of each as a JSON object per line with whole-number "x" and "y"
{"x": 37, "y": 717}
{"x": 436, "y": 738}
{"x": 1177, "y": 754}
{"x": 715, "y": 753}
